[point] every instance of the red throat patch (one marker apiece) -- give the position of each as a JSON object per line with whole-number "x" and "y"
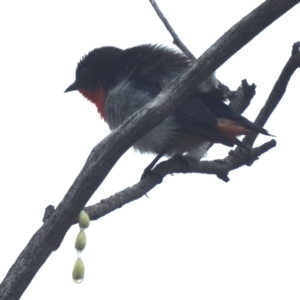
{"x": 97, "y": 97}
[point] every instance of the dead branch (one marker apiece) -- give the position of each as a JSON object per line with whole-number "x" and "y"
{"x": 277, "y": 92}
{"x": 220, "y": 167}
{"x": 176, "y": 38}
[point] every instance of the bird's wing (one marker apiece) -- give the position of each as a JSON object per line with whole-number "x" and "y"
{"x": 195, "y": 118}
{"x": 203, "y": 113}
{"x": 206, "y": 114}
{"x": 215, "y": 101}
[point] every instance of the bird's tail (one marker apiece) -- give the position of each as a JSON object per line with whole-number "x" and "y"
{"x": 234, "y": 128}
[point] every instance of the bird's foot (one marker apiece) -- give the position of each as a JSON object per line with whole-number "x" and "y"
{"x": 183, "y": 159}
{"x": 149, "y": 172}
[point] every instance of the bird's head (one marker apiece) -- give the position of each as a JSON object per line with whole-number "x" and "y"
{"x": 95, "y": 68}
{"x": 94, "y": 75}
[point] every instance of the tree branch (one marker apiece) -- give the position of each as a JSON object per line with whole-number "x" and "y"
{"x": 220, "y": 167}
{"x": 106, "y": 153}
{"x": 240, "y": 99}
{"x": 277, "y": 92}
{"x": 176, "y": 38}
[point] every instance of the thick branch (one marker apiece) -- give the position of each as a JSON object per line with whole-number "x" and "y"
{"x": 107, "y": 152}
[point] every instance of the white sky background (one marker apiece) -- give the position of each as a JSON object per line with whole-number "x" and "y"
{"x": 196, "y": 237}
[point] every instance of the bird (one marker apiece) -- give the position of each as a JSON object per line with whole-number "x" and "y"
{"x": 120, "y": 82}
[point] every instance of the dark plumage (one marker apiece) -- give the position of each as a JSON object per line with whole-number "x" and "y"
{"x": 119, "y": 82}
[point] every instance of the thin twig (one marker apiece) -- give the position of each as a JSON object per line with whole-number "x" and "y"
{"x": 242, "y": 97}
{"x": 277, "y": 91}
{"x": 176, "y": 38}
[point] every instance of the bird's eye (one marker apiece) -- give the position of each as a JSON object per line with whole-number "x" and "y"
{"x": 84, "y": 72}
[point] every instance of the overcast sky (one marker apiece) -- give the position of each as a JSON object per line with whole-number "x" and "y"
{"x": 195, "y": 237}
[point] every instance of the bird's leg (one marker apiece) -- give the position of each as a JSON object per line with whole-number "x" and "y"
{"x": 148, "y": 170}
{"x": 183, "y": 159}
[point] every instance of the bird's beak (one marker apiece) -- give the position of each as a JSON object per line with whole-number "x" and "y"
{"x": 72, "y": 87}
